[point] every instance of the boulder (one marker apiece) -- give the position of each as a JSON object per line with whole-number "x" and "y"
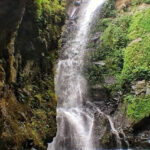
{"x": 77, "y": 3}
{"x": 135, "y": 41}
{"x": 143, "y": 7}
{"x": 2, "y": 77}
{"x": 98, "y": 93}
{"x": 94, "y": 39}
{"x": 74, "y": 18}
{"x": 105, "y": 137}
{"x": 139, "y": 87}
{"x": 109, "y": 80}
{"x": 148, "y": 88}
{"x": 101, "y": 63}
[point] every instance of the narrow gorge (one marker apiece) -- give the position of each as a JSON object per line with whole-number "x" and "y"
{"x": 74, "y": 120}
{"x": 74, "y": 74}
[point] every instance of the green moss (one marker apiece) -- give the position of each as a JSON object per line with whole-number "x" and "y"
{"x": 93, "y": 73}
{"x": 138, "y": 107}
{"x": 34, "y": 119}
{"x": 110, "y": 51}
{"x": 103, "y": 24}
{"x": 140, "y": 24}
{"x": 48, "y": 6}
{"x": 108, "y": 10}
{"x": 114, "y": 37}
{"x": 125, "y": 50}
{"x": 39, "y": 7}
{"x": 137, "y": 61}
{"x": 137, "y": 2}
{"x": 28, "y": 108}
{"x": 43, "y": 103}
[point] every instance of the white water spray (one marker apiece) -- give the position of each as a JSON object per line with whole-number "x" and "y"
{"x": 74, "y": 122}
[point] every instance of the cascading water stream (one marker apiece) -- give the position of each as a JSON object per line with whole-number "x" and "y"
{"x": 74, "y": 122}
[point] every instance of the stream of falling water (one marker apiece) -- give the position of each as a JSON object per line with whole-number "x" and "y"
{"x": 74, "y": 122}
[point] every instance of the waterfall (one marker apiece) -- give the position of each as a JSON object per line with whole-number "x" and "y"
{"x": 74, "y": 121}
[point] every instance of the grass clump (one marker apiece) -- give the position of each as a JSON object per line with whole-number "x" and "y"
{"x": 137, "y": 53}
{"x": 137, "y": 2}
{"x": 108, "y": 10}
{"x": 137, "y": 61}
{"x": 138, "y": 107}
{"x": 48, "y": 6}
{"x": 39, "y": 7}
{"x": 115, "y": 34}
{"x": 140, "y": 24}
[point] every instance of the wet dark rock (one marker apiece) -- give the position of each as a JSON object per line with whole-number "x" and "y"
{"x": 109, "y": 80}
{"x": 77, "y": 3}
{"x": 143, "y": 125}
{"x": 29, "y": 144}
{"x": 33, "y": 148}
{"x": 102, "y": 129}
{"x": 94, "y": 39}
{"x": 137, "y": 134}
{"x": 100, "y": 63}
{"x": 98, "y": 93}
{"x": 74, "y": 18}
{"x": 139, "y": 87}
{"x": 64, "y": 40}
{"x": 28, "y": 46}
{"x": 148, "y": 88}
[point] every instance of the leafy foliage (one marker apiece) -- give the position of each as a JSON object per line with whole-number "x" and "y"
{"x": 115, "y": 35}
{"x": 136, "y": 2}
{"x": 93, "y": 73}
{"x": 138, "y": 107}
{"x": 28, "y": 108}
{"x": 137, "y": 53}
{"x": 52, "y": 7}
{"x": 108, "y": 9}
{"x": 124, "y": 48}
{"x": 140, "y": 24}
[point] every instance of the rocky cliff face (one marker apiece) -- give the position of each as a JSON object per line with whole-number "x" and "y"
{"x": 29, "y": 42}
{"x": 117, "y": 69}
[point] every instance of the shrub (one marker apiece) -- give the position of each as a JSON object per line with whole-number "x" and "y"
{"x": 115, "y": 36}
{"x": 147, "y": 1}
{"x": 140, "y": 24}
{"x": 138, "y": 107}
{"x": 137, "y": 2}
{"x": 137, "y": 61}
{"x": 49, "y": 6}
{"x": 93, "y": 73}
{"x": 103, "y": 24}
{"x": 110, "y": 50}
{"x": 108, "y": 9}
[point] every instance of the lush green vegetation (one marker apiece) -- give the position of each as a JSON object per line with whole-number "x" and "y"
{"x": 138, "y": 107}
{"x": 49, "y": 6}
{"x": 136, "y": 2}
{"x": 111, "y": 48}
{"x": 137, "y": 53}
{"x": 139, "y": 25}
{"x": 51, "y": 14}
{"x": 28, "y": 103}
{"x": 137, "y": 61}
{"x": 32, "y": 118}
{"x": 125, "y": 50}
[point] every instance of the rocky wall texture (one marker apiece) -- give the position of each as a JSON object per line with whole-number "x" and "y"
{"x": 29, "y": 41}
{"x": 117, "y": 68}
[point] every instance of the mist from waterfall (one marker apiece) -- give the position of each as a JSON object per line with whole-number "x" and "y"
{"x": 74, "y": 121}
